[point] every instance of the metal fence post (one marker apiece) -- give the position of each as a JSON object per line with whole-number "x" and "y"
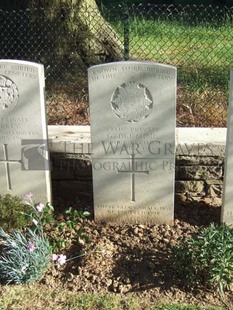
{"x": 126, "y": 35}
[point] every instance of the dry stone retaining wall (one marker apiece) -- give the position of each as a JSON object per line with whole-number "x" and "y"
{"x": 199, "y": 178}
{"x": 199, "y": 163}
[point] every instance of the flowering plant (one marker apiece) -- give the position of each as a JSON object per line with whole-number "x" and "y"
{"x": 25, "y": 256}
{"x": 39, "y": 215}
{"x": 60, "y": 259}
{"x": 41, "y": 218}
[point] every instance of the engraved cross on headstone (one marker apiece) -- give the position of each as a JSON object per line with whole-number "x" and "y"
{"x": 7, "y": 163}
{"x": 133, "y": 171}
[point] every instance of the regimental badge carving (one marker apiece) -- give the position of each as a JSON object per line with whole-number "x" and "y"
{"x": 132, "y": 102}
{"x": 9, "y": 94}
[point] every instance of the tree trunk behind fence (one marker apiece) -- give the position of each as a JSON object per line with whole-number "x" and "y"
{"x": 94, "y": 39}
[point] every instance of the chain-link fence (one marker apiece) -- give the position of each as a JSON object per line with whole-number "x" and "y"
{"x": 196, "y": 39}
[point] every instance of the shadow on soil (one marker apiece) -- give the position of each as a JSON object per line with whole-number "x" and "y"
{"x": 197, "y": 213}
{"x": 194, "y": 213}
{"x": 143, "y": 269}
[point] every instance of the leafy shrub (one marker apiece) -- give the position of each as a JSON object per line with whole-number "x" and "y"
{"x": 12, "y": 210}
{"x": 43, "y": 221}
{"x": 207, "y": 258}
{"x": 25, "y": 256}
{"x": 70, "y": 223}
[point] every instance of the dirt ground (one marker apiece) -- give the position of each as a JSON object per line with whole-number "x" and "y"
{"x": 132, "y": 259}
{"x": 127, "y": 259}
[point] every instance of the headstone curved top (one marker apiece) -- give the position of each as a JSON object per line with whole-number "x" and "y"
{"x": 132, "y": 112}
{"x": 24, "y": 158}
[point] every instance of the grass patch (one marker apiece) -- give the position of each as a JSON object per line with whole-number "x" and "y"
{"x": 195, "y": 50}
{"x": 203, "y": 56}
{"x": 11, "y": 212}
{"x": 196, "y": 40}
{"x": 42, "y": 297}
{"x": 182, "y": 307}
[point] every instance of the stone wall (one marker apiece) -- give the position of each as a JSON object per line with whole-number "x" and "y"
{"x": 199, "y": 178}
{"x": 71, "y": 175}
{"x": 199, "y": 163}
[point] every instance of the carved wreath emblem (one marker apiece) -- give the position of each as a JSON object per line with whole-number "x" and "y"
{"x": 9, "y": 94}
{"x": 132, "y": 102}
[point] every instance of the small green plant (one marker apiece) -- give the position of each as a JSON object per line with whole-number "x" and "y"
{"x": 39, "y": 216}
{"x": 72, "y": 218}
{"x": 25, "y": 256}
{"x": 12, "y": 210}
{"x": 42, "y": 217}
{"x": 207, "y": 258}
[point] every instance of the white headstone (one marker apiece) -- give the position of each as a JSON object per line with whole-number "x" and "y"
{"x": 24, "y": 158}
{"x": 132, "y": 109}
{"x": 227, "y": 205}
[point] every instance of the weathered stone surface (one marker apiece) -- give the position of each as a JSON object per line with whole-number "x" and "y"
{"x": 199, "y": 160}
{"x": 185, "y": 190}
{"x": 200, "y": 149}
{"x": 208, "y": 191}
{"x": 199, "y": 172}
{"x": 180, "y": 197}
{"x": 24, "y": 156}
{"x": 197, "y": 188}
{"x": 213, "y": 201}
{"x": 77, "y": 166}
{"x": 214, "y": 190}
{"x": 132, "y": 110}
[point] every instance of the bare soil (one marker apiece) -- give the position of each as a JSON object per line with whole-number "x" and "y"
{"x": 126, "y": 259}
{"x": 206, "y": 109}
{"x": 132, "y": 259}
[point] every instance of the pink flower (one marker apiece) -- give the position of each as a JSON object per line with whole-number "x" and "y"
{"x": 31, "y": 247}
{"x": 34, "y": 221}
{"x": 28, "y": 196}
{"x": 54, "y": 257}
{"x": 40, "y": 207}
{"x": 61, "y": 259}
